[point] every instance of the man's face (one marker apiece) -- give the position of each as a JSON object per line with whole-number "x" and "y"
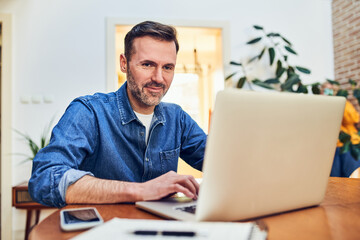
{"x": 149, "y": 72}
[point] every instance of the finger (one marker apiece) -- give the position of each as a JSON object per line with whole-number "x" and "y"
{"x": 196, "y": 184}
{"x": 179, "y": 188}
{"x": 192, "y": 184}
{"x": 187, "y": 183}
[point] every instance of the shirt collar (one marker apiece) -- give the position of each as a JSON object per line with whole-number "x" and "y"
{"x": 126, "y": 112}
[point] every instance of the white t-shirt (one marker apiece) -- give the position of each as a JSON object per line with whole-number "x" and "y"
{"x": 145, "y": 119}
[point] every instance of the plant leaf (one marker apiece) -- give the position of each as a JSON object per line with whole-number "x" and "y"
{"x": 253, "y": 59}
{"x": 271, "y": 55}
{"x": 273, "y": 35}
{"x": 345, "y": 148}
{"x": 315, "y": 88}
{"x": 302, "y": 89}
{"x": 333, "y": 82}
{"x": 344, "y": 137}
{"x": 290, "y": 71}
{"x": 303, "y": 70}
{"x": 261, "y": 84}
{"x": 290, "y": 50}
{"x": 26, "y": 160}
{"x": 287, "y": 41}
{"x": 255, "y": 40}
{"x": 230, "y": 76}
{"x": 343, "y": 93}
{"x": 27, "y": 138}
{"x": 257, "y": 27}
{"x": 356, "y": 94}
{"x": 33, "y": 147}
{"x": 272, "y": 81}
{"x": 262, "y": 53}
{"x": 241, "y": 82}
{"x": 235, "y": 63}
{"x": 352, "y": 82}
{"x": 287, "y": 86}
{"x": 280, "y": 73}
{"x": 44, "y": 141}
{"x": 292, "y": 77}
{"x": 279, "y": 69}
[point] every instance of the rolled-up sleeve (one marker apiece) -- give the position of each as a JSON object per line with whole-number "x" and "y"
{"x": 56, "y": 166}
{"x": 70, "y": 177}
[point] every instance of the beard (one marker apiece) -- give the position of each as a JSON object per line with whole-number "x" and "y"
{"x": 138, "y": 92}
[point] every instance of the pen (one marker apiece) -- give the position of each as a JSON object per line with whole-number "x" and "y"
{"x": 165, "y": 233}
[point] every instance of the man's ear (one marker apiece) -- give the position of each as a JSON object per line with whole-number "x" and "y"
{"x": 123, "y": 63}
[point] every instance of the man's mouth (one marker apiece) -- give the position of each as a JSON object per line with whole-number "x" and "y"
{"x": 154, "y": 87}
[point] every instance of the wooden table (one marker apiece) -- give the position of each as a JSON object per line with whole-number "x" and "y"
{"x": 337, "y": 217}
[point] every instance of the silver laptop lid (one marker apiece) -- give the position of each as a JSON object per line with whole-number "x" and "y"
{"x": 267, "y": 153}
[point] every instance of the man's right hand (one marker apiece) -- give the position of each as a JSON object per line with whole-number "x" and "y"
{"x": 89, "y": 189}
{"x": 167, "y": 184}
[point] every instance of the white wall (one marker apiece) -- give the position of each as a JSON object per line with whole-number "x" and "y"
{"x": 59, "y": 46}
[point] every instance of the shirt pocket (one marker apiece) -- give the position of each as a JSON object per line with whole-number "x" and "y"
{"x": 169, "y": 160}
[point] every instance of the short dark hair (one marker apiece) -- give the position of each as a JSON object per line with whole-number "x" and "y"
{"x": 152, "y": 29}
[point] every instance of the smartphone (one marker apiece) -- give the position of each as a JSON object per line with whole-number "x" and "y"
{"x": 79, "y": 218}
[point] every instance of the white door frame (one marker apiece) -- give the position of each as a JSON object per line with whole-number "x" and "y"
{"x": 111, "y": 78}
{"x": 6, "y": 139}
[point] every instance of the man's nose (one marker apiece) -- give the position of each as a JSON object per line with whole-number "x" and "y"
{"x": 158, "y": 75}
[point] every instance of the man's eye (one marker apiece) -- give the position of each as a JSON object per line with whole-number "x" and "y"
{"x": 146, "y": 65}
{"x": 169, "y": 68}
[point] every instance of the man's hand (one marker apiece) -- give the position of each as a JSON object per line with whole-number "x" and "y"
{"x": 89, "y": 189}
{"x": 167, "y": 184}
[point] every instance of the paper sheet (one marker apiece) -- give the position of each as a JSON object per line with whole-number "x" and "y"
{"x": 123, "y": 229}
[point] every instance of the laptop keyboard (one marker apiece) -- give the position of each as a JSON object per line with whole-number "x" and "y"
{"x": 189, "y": 209}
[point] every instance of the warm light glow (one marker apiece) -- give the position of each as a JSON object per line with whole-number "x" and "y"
{"x": 184, "y": 92}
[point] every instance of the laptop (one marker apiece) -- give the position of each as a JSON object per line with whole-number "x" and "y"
{"x": 266, "y": 153}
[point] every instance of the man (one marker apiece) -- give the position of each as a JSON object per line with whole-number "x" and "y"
{"x": 123, "y": 146}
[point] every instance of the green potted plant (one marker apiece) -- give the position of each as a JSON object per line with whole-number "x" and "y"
{"x": 33, "y": 146}
{"x": 286, "y": 77}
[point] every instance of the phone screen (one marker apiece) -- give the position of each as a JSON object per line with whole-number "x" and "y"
{"x": 80, "y": 216}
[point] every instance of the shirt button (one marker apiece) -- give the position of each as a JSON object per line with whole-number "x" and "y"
{"x": 142, "y": 133}
{"x": 147, "y": 159}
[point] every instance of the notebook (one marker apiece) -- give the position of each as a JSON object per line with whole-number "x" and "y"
{"x": 266, "y": 153}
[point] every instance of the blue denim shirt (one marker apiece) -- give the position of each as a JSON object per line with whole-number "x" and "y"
{"x": 101, "y": 136}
